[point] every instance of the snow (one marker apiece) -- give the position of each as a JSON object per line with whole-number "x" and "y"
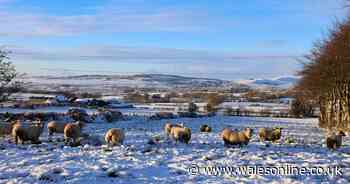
{"x": 167, "y": 162}
{"x": 283, "y": 82}
{"x": 64, "y": 109}
{"x": 257, "y": 106}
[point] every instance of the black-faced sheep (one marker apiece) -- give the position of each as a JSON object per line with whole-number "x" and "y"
{"x": 334, "y": 141}
{"x": 205, "y": 128}
{"x": 73, "y": 131}
{"x": 182, "y": 134}
{"x": 234, "y": 137}
{"x": 267, "y": 134}
{"x": 115, "y": 136}
{"x": 22, "y": 132}
{"x": 79, "y": 115}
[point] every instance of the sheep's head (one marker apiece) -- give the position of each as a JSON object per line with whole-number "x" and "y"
{"x": 341, "y": 133}
{"x": 39, "y": 124}
{"x": 168, "y": 124}
{"x": 277, "y": 129}
{"x": 187, "y": 130}
{"x": 248, "y": 132}
{"x": 81, "y": 124}
{"x": 15, "y": 122}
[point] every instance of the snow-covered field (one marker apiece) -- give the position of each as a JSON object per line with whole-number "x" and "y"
{"x": 166, "y": 162}
{"x": 125, "y": 111}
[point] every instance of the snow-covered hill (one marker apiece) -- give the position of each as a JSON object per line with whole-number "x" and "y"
{"x": 107, "y": 82}
{"x": 281, "y": 82}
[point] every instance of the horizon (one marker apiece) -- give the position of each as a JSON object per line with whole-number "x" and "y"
{"x": 239, "y": 80}
{"x": 226, "y": 40}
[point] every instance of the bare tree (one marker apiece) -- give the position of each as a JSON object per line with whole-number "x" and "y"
{"x": 326, "y": 77}
{"x": 192, "y": 107}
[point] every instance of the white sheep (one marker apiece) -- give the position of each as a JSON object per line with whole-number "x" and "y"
{"x": 27, "y": 132}
{"x": 114, "y": 136}
{"x": 268, "y": 134}
{"x": 73, "y": 131}
{"x": 169, "y": 126}
{"x": 237, "y": 137}
{"x": 182, "y": 134}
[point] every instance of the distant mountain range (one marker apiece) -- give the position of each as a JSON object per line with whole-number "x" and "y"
{"x": 160, "y": 80}
{"x": 282, "y": 82}
{"x": 107, "y": 82}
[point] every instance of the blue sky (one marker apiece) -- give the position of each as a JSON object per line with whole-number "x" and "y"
{"x": 220, "y": 39}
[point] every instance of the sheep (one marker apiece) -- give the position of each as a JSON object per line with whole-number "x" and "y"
{"x": 182, "y": 134}
{"x": 114, "y": 136}
{"x": 334, "y": 141}
{"x": 55, "y": 127}
{"x": 267, "y": 134}
{"x": 27, "y": 132}
{"x": 236, "y": 137}
{"x": 205, "y": 128}
{"x": 169, "y": 126}
{"x": 6, "y": 128}
{"x": 73, "y": 131}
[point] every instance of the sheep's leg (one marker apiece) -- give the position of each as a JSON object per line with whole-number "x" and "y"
{"x": 66, "y": 140}
{"x": 50, "y": 136}
{"x": 16, "y": 139}
{"x": 225, "y": 143}
{"x": 75, "y": 142}
{"x": 335, "y": 146}
{"x": 109, "y": 145}
{"x": 36, "y": 141}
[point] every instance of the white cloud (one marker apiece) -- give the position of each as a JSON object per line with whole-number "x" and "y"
{"x": 115, "y": 60}
{"x": 137, "y": 54}
{"x": 106, "y": 20}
